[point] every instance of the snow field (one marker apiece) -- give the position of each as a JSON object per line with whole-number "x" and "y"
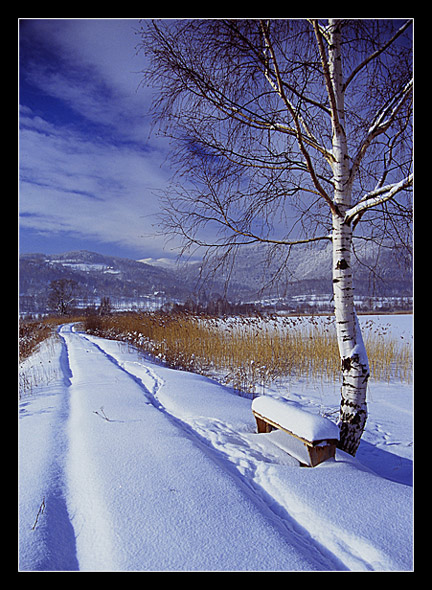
{"x": 176, "y": 479}
{"x": 231, "y": 431}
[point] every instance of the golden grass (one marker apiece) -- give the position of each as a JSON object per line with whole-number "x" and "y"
{"x": 252, "y": 352}
{"x": 30, "y": 335}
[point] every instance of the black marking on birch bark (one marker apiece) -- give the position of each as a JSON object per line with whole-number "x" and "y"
{"x": 346, "y": 364}
{"x": 342, "y": 264}
{"x": 357, "y": 419}
{"x": 349, "y": 362}
{"x": 347, "y": 385}
{"x": 349, "y": 438}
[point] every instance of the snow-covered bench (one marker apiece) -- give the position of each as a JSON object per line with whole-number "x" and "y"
{"x": 312, "y": 439}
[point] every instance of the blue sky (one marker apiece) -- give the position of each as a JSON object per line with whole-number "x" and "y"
{"x": 89, "y": 167}
{"x": 90, "y": 170}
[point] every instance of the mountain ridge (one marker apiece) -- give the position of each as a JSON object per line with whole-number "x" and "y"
{"x": 307, "y": 273}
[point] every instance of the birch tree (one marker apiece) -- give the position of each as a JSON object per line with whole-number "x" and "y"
{"x": 289, "y": 132}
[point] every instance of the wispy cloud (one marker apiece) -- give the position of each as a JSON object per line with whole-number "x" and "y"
{"x": 90, "y": 187}
{"x": 87, "y": 165}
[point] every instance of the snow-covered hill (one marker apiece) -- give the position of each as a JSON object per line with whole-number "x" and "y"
{"x": 135, "y": 284}
{"x": 127, "y": 465}
{"x": 125, "y": 282}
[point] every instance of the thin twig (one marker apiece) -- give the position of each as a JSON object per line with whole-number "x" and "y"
{"x": 40, "y": 511}
{"x": 102, "y": 414}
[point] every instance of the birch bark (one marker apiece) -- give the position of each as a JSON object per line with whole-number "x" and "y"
{"x": 354, "y": 361}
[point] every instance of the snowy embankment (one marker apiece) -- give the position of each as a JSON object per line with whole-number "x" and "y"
{"x": 126, "y": 465}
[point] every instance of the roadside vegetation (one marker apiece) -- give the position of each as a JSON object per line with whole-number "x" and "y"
{"x": 30, "y": 335}
{"x": 246, "y": 352}
{"x": 252, "y": 352}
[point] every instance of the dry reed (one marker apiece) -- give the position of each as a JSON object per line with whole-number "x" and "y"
{"x": 252, "y": 352}
{"x": 30, "y": 335}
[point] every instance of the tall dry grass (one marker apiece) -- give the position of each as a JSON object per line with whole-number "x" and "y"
{"x": 31, "y": 334}
{"x": 40, "y": 369}
{"x": 251, "y": 352}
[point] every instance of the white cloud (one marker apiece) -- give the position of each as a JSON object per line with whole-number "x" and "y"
{"x": 88, "y": 167}
{"x": 97, "y": 72}
{"x": 93, "y": 188}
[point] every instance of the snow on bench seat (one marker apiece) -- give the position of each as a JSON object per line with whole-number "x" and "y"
{"x": 317, "y": 436}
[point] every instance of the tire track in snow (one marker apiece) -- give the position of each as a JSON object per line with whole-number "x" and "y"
{"x": 51, "y": 544}
{"x": 60, "y": 534}
{"x": 87, "y": 507}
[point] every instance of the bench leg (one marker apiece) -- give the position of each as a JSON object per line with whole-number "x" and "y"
{"x": 319, "y": 454}
{"x": 263, "y": 426}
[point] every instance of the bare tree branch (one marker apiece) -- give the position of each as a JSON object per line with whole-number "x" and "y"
{"x": 249, "y": 106}
{"x": 375, "y": 54}
{"x": 381, "y": 122}
{"x": 296, "y": 119}
{"x": 377, "y": 197}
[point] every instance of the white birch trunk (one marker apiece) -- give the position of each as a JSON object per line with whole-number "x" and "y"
{"x": 354, "y": 362}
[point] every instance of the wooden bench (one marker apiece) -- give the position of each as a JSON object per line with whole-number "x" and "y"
{"x": 312, "y": 439}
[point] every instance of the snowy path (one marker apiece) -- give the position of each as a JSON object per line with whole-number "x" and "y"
{"x": 146, "y": 468}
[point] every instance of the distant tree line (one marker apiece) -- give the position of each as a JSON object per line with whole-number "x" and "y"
{"x": 218, "y": 306}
